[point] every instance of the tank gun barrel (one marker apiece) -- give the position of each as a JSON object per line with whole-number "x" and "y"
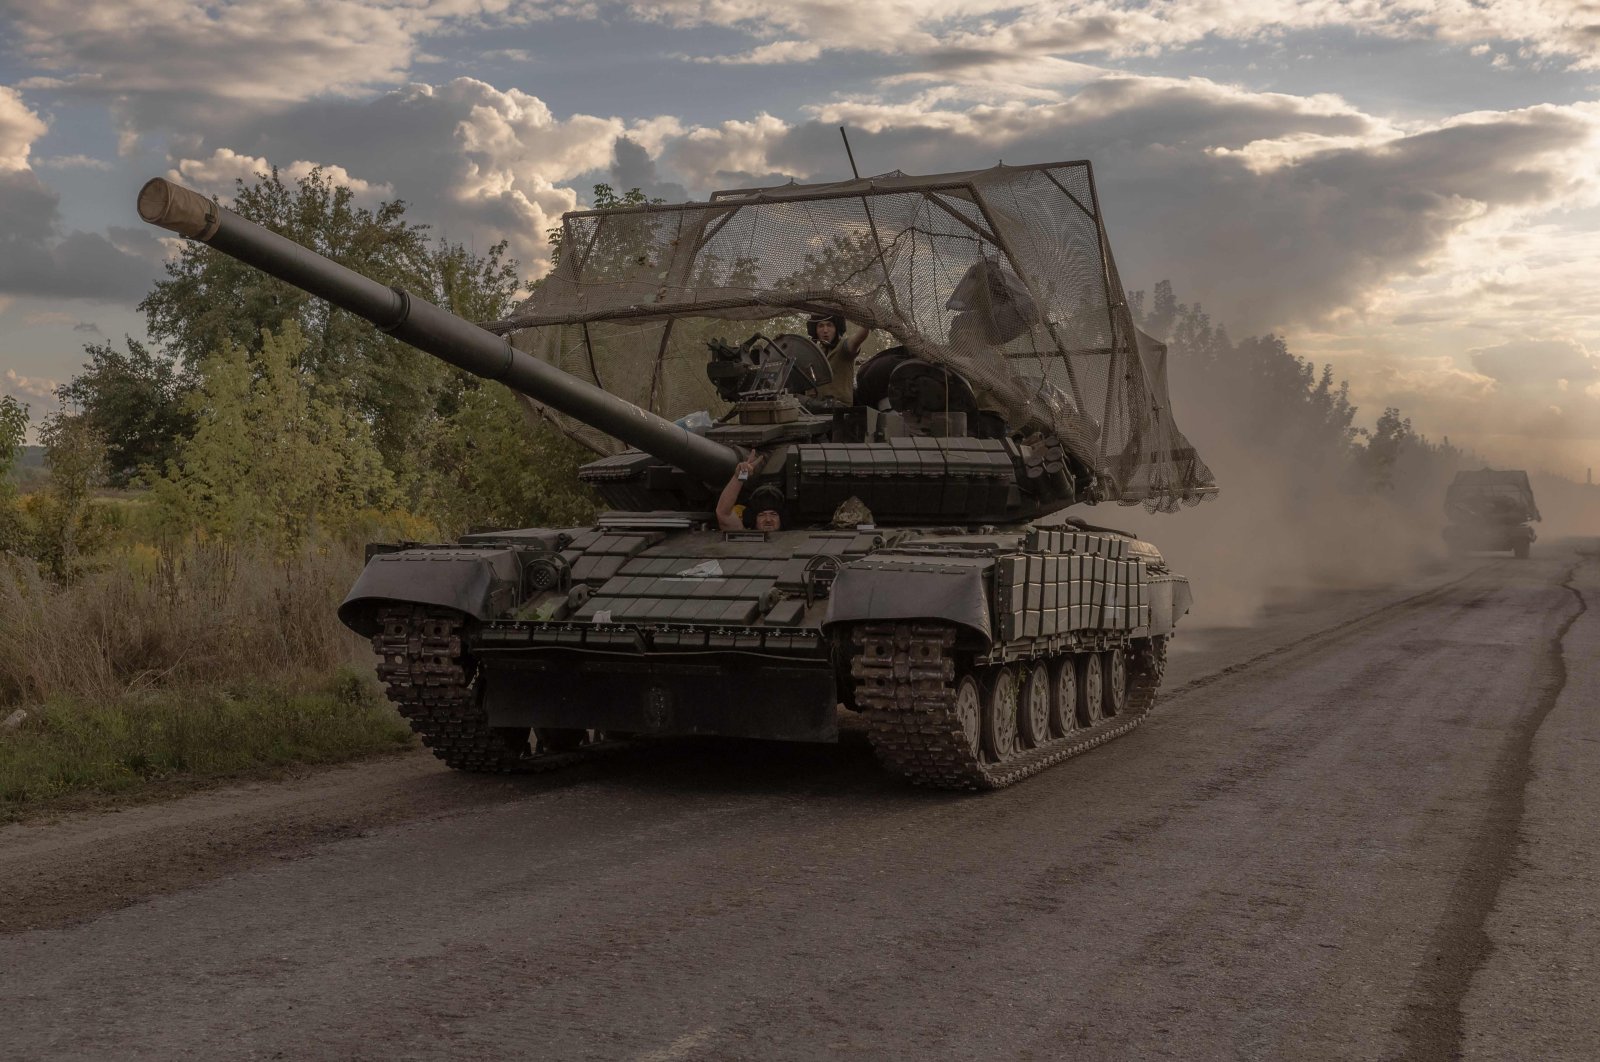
{"x": 419, "y": 323}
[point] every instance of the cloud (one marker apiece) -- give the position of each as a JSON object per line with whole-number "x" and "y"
{"x": 233, "y": 49}
{"x": 485, "y": 163}
{"x": 776, "y": 52}
{"x": 73, "y": 162}
{"x": 224, "y": 166}
{"x": 172, "y": 63}
{"x": 1294, "y": 214}
{"x": 36, "y": 256}
{"x": 970, "y": 39}
{"x": 28, "y": 388}
{"x": 632, "y": 167}
{"x": 19, "y": 128}
{"x": 1538, "y": 364}
{"x": 77, "y": 265}
{"x": 732, "y": 153}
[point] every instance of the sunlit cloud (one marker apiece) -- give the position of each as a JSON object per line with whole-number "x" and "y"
{"x": 964, "y": 39}
{"x": 224, "y": 166}
{"x": 31, "y": 389}
{"x": 19, "y": 128}
{"x": 496, "y": 163}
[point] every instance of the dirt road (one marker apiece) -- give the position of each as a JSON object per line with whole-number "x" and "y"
{"x": 1362, "y": 829}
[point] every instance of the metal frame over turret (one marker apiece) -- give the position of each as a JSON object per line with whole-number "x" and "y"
{"x": 1002, "y": 277}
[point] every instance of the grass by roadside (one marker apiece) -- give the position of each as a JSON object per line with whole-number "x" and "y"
{"x": 164, "y": 668}
{"x": 69, "y": 747}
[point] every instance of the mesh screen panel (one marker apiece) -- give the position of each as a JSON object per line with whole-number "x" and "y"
{"x": 1003, "y": 275}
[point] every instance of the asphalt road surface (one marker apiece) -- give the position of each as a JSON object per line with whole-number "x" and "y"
{"x": 1364, "y": 828}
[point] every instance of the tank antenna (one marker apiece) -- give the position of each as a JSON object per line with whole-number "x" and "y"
{"x": 851, "y": 155}
{"x": 883, "y": 263}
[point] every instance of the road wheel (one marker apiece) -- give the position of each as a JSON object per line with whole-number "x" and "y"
{"x": 1114, "y": 675}
{"x": 1064, "y": 696}
{"x": 1033, "y": 714}
{"x": 1000, "y": 714}
{"x": 969, "y": 709}
{"x": 1091, "y": 689}
{"x": 1520, "y": 551}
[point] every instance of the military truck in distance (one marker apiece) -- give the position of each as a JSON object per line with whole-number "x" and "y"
{"x": 923, "y": 574}
{"x": 1490, "y": 510}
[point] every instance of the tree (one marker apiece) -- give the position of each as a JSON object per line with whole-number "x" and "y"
{"x": 271, "y": 460}
{"x": 210, "y": 301}
{"x": 134, "y": 400}
{"x": 605, "y": 198}
{"x": 493, "y": 465}
{"x": 1387, "y": 441}
{"x": 13, "y": 430}
{"x": 480, "y": 460}
{"x": 65, "y": 526}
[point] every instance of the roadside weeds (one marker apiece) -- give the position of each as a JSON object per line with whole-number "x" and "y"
{"x": 70, "y": 748}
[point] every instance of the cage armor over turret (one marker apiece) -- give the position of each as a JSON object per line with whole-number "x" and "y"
{"x": 913, "y": 579}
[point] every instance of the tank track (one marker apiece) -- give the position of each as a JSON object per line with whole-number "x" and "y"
{"x": 427, "y": 673}
{"x": 906, "y": 686}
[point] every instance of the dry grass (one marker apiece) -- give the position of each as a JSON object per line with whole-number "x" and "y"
{"x": 196, "y": 664}
{"x": 200, "y": 616}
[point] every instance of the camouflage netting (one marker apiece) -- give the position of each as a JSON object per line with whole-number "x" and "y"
{"x": 1003, "y": 275}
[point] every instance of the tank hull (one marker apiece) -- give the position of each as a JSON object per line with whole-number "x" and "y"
{"x": 651, "y": 624}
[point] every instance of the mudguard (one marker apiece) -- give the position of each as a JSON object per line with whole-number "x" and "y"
{"x": 905, "y": 588}
{"x": 1170, "y": 599}
{"x": 482, "y": 583}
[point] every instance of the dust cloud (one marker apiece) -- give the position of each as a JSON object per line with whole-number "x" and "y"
{"x": 1278, "y": 529}
{"x": 1284, "y": 523}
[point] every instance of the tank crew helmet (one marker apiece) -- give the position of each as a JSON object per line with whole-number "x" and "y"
{"x": 818, "y": 318}
{"x": 766, "y": 498}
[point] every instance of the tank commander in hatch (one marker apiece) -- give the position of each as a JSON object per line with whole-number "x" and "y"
{"x": 840, "y": 346}
{"x": 765, "y": 509}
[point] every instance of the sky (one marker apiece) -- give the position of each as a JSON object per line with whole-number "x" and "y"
{"x": 1407, "y": 190}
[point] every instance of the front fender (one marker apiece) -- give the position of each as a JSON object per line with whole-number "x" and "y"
{"x": 1170, "y": 600}
{"x": 482, "y": 583}
{"x": 953, "y": 590}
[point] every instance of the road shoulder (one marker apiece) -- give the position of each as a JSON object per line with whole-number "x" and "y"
{"x": 1538, "y": 994}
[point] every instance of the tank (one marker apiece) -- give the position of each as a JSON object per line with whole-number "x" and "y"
{"x": 1490, "y": 510}
{"x": 923, "y": 577}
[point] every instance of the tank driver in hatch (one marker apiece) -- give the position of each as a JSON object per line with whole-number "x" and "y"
{"x": 764, "y": 512}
